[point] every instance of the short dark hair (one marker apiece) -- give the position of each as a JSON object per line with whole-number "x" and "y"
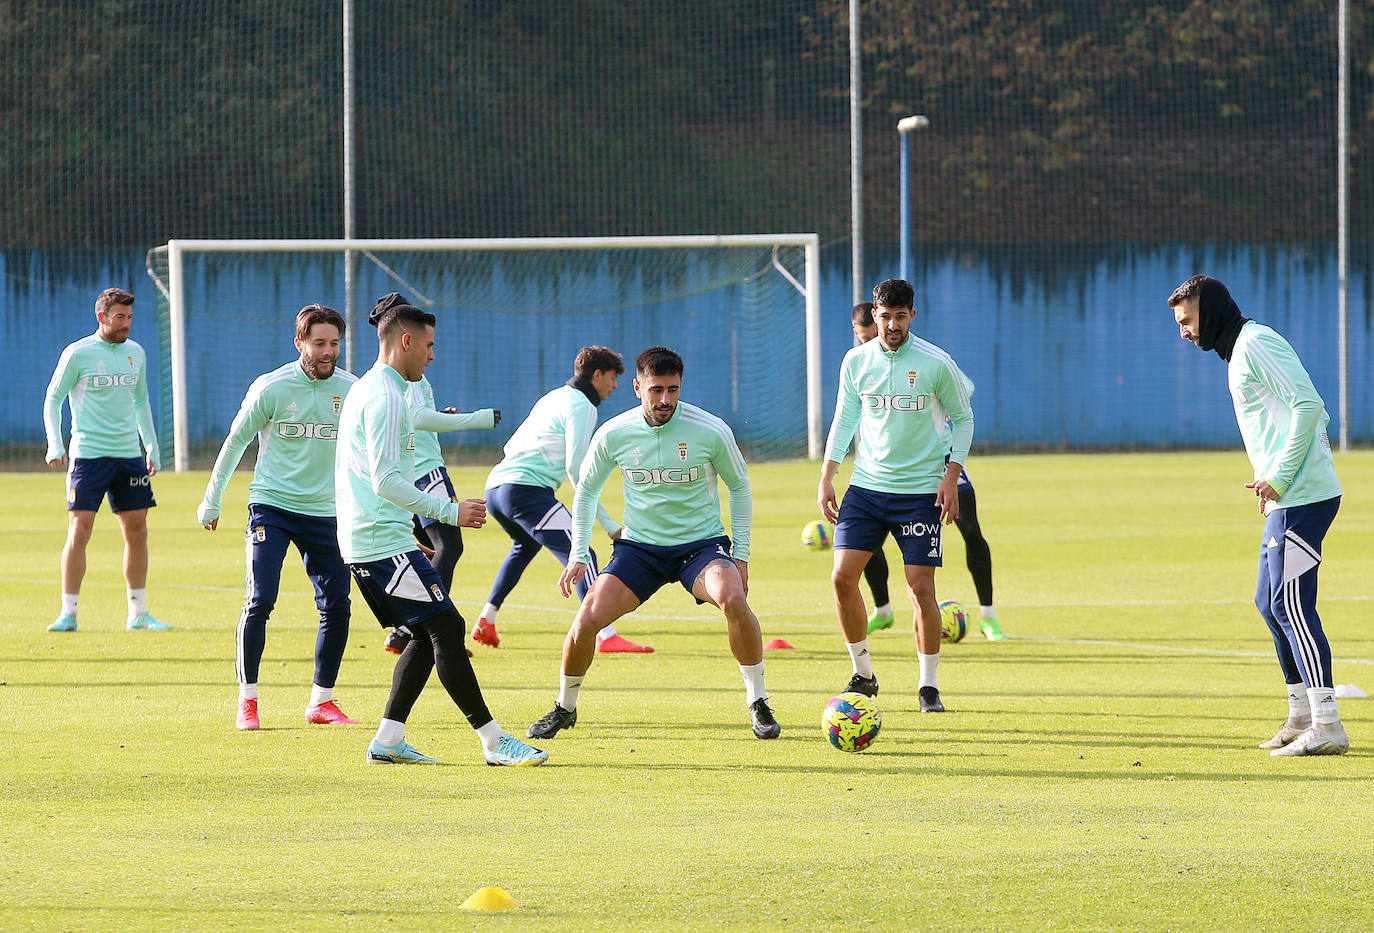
{"x": 658, "y": 361}
{"x": 593, "y": 358}
{"x": 894, "y": 293}
{"x": 1187, "y": 291}
{"x": 403, "y": 317}
{"x": 311, "y": 315}
{"x": 862, "y": 314}
{"x": 385, "y": 304}
{"x": 112, "y": 296}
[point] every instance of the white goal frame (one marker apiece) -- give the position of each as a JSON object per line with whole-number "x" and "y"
{"x": 176, "y": 297}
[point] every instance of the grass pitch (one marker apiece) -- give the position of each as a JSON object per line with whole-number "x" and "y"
{"x": 1098, "y": 771}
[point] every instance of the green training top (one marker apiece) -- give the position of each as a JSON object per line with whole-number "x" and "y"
{"x": 296, "y": 420}
{"x": 901, "y": 399}
{"x": 106, "y": 385}
{"x": 549, "y": 446}
{"x": 670, "y": 471}
{"x": 428, "y": 456}
{"x": 374, "y": 470}
{"x": 1282, "y": 418}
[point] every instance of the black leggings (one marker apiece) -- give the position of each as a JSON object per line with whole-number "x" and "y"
{"x": 447, "y": 541}
{"x": 977, "y": 552}
{"x": 437, "y": 643}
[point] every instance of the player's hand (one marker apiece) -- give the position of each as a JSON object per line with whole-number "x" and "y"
{"x": 59, "y": 462}
{"x": 152, "y": 470}
{"x": 1264, "y": 491}
{"x": 448, "y": 411}
{"x": 472, "y": 513}
{"x": 495, "y": 417}
{"x": 619, "y": 533}
{"x": 825, "y": 498}
{"x": 211, "y": 525}
{"x": 425, "y": 549}
{"x": 570, "y": 577}
{"x": 743, "y": 567}
{"x": 947, "y": 498}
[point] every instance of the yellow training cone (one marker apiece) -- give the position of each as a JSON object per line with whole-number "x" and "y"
{"x": 489, "y": 899}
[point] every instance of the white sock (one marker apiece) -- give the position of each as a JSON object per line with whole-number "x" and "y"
{"x": 607, "y": 632}
{"x": 1323, "y": 703}
{"x": 248, "y": 691}
{"x": 753, "y": 682}
{"x": 884, "y": 610}
{"x": 320, "y": 694}
{"x": 69, "y": 601}
{"x": 858, "y": 653}
{"x": 928, "y": 663}
{"x": 1299, "y": 707}
{"x": 391, "y": 732}
{"x": 138, "y": 602}
{"x": 568, "y": 686}
{"x": 987, "y": 612}
{"x": 490, "y": 734}
{"x": 489, "y": 613}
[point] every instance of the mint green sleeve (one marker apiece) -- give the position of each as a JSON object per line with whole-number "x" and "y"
{"x": 63, "y": 378}
{"x": 597, "y": 467}
{"x": 253, "y": 416}
{"x": 1288, "y": 380}
{"x": 143, "y": 415}
{"x": 427, "y": 419}
{"x": 578, "y": 428}
{"x": 846, "y": 419}
{"x": 384, "y": 420}
{"x": 955, "y": 393}
{"x": 729, "y": 465}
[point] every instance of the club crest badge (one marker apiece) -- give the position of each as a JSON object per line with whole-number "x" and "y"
{"x": 911, "y": 380}
{"x": 437, "y": 591}
{"x": 338, "y": 404}
{"x": 260, "y": 533}
{"x": 682, "y": 451}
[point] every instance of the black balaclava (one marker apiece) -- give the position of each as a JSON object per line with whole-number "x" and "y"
{"x": 1219, "y": 319}
{"x": 584, "y": 385}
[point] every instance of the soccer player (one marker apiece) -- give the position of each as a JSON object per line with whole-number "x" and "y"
{"x": 976, "y": 551}
{"x": 104, "y": 378}
{"x": 294, "y": 412}
{"x": 898, "y": 390}
{"x": 374, "y": 469}
{"x": 669, "y": 454}
{"x": 1283, "y": 423}
{"x": 431, "y": 476}
{"x": 547, "y": 448}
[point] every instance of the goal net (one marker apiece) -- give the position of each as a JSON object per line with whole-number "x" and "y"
{"x": 742, "y": 310}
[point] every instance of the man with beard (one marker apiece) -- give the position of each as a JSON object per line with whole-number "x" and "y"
{"x": 294, "y": 412}
{"x": 1283, "y": 423}
{"x": 104, "y": 378}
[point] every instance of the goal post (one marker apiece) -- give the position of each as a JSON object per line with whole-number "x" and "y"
{"x": 715, "y": 287}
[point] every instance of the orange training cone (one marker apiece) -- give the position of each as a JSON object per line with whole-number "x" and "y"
{"x": 776, "y": 644}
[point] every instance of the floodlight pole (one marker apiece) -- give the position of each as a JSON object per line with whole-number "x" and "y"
{"x": 905, "y": 127}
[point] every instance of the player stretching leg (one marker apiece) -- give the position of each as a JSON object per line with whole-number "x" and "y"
{"x": 898, "y": 389}
{"x": 669, "y": 454}
{"x": 294, "y": 412}
{"x": 1283, "y": 423}
{"x": 547, "y": 448}
{"x": 373, "y": 469}
{"x": 431, "y": 476}
{"x": 977, "y": 554}
{"x": 104, "y": 378}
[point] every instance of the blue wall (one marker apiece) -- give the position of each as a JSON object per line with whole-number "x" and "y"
{"x": 1069, "y": 349}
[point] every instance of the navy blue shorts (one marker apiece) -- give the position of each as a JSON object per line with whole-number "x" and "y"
{"x": 123, "y": 480}
{"x": 402, "y": 590}
{"x": 435, "y": 483}
{"x": 646, "y": 567}
{"x": 867, "y": 517}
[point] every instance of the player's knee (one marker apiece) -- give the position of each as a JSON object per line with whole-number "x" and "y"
{"x": 733, "y": 602}
{"x": 845, "y": 578}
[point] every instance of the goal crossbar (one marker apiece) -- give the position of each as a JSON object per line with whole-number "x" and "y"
{"x": 176, "y": 297}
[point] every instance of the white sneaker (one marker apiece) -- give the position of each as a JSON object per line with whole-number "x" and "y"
{"x": 1317, "y": 739}
{"x": 1287, "y": 733}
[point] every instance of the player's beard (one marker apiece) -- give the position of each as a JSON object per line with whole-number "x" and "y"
{"x": 318, "y": 370}
{"x": 659, "y": 417}
{"x": 114, "y": 336}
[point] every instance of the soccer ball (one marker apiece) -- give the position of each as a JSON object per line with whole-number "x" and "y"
{"x": 953, "y": 621}
{"x": 851, "y": 722}
{"x": 816, "y": 536}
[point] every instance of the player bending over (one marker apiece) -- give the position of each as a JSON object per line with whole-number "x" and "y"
{"x": 669, "y": 454}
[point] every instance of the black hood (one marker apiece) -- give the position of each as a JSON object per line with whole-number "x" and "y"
{"x": 1219, "y": 319}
